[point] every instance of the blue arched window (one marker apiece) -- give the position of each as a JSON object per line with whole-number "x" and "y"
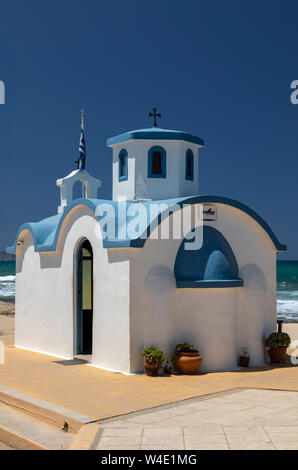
{"x": 123, "y": 167}
{"x": 189, "y": 164}
{"x": 212, "y": 265}
{"x": 157, "y": 162}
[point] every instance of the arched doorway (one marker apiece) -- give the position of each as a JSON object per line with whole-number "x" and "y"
{"x": 84, "y": 294}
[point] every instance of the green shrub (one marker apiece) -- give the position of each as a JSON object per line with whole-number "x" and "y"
{"x": 278, "y": 340}
{"x": 185, "y": 347}
{"x": 153, "y": 356}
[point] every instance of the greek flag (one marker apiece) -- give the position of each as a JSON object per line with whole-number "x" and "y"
{"x": 82, "y": 151}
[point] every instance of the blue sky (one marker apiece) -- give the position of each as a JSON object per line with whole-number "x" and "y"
{"x": 218, "y": 69}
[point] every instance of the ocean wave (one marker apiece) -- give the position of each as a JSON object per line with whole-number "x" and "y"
{"x": 287, "y": 306}
{"x": 7, "y": 279}
{"x": 7, "y": 287}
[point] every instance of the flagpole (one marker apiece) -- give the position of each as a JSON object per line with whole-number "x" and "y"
{"x": 82, "y": 119}
{"x": 82, "y": 128}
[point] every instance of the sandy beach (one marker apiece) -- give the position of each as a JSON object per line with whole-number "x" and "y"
{"x": 6, "y": 308}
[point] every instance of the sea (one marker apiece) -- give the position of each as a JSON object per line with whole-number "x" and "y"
{"x": 286, "y": 293}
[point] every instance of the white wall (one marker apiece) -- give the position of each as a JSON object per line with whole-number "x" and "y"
{"x": 138, "y": 183}
{"x": 45, "y": 303}
{"x": 220, "y": 322}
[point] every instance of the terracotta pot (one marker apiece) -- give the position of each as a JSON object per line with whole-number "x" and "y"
{"x": 244, "y": 361}
{"x": 188, "y": 362}
{"x": 151, "y": 369}
{"x": 278, "y": 355}
{"x": 167, "y": 370}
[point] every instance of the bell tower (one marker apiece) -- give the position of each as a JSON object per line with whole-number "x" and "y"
{"x": 155, "y": 163}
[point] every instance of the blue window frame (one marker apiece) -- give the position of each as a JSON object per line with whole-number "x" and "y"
{"x": 123, "y": 167}
{"x": 157, "y": 162}
{"x": 189, "y": 164}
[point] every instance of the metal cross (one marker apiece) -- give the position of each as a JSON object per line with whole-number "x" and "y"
{"x": 78, "y": 163}
{"x": 155, "y": 115}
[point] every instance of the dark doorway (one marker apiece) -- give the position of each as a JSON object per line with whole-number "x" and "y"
{"x": 84, "y": 321}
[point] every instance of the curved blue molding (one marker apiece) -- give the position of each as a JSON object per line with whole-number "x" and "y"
{"x": 209, "y": 284}
{"x": 155, "y": 133}
{"x": 45, "y": 233}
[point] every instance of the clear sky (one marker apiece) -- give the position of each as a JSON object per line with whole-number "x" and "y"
{"x": 220, "y": 69}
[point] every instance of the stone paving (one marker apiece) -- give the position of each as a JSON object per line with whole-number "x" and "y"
{"x": 5, "y": 447}
{"x": 245, "y": 419}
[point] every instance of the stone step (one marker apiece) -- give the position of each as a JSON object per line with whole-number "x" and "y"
{"x": 24, "y": 432}
{"x": 42, "y": 410}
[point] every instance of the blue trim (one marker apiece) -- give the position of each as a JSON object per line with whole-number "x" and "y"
{"x": 45, "y": 233}
{"x": 189, "y": 153}
{"x": 209, "y": 284}
{"x": 162, "y": 151}
{"x": 123, "y": 154}
{"x": 155, "y": 134}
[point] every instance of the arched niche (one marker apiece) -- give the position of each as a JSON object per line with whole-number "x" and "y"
{"x": 212, "y": 265}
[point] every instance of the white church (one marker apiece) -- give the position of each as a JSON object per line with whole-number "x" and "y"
{"x": 158, "y": 265}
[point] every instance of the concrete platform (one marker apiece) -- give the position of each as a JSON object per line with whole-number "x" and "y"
{"x": 26, "y": 433}
{"x": 246, "y": 419}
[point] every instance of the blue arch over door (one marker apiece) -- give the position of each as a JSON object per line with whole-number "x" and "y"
{"x": 213, "y": 265}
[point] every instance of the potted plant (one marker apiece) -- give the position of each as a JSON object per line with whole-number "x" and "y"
{"x": 278, "y": 344}
{"x": 153, "y": 359}
{"x": 167, "y": 368}
{"x": 187, "y": 359}
{"x": 244, "y": 359}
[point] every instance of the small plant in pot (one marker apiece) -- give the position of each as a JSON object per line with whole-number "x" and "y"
{"x": 244, "y": 359}
{"x": 278, "y": 344}
{"x": 187, "y": 359}
{"x": 153, "y": 359}
{"x": 167, "y": 368}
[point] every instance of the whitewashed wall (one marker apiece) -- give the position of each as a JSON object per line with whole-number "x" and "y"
{"x": 220, "y": 322}
{"x": 45, "y": 304}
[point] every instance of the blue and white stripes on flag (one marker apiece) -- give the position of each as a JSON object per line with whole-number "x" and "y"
{"x": 82, "y": 151}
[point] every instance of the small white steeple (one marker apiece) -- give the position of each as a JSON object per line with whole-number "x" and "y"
{"x": 90, "y": 185}
{"x": 155, "y": 163}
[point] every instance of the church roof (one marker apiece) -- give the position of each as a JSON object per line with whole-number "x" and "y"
{"x": 45, "y": 233}
{"x": 155, "y": 133}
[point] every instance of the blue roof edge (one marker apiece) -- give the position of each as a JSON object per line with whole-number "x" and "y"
{"x": 45, "y": 233}
{"x": 155, "y": 134}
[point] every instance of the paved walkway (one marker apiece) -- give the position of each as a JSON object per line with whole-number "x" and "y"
{"x": 100, "y": 394}
{"x": 242, "y": 419}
